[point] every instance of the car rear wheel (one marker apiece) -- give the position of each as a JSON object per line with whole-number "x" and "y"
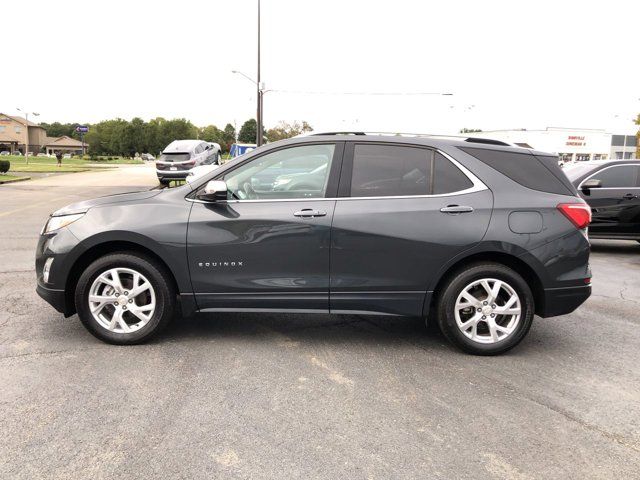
{"x": 124, "y": 298}
{"x": 485, "y": 309}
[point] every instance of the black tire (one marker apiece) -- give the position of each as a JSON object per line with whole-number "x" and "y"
{"x": 457, "y": 283}
{"x": 158, "y": 277}
{"x": 164, "y": 181}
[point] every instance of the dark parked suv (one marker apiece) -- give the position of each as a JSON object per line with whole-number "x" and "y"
{"x": 612, "y": 190}
{"x": 474, "y": 234}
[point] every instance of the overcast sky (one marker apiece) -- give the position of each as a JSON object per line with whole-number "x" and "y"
{"x": 512, "y": 64}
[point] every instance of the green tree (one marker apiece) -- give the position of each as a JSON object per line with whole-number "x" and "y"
{"x": 57, "y": 129}
{"x": 470, "y": 130}
{"x": 211, "y": 133}
{"x": 287, "y": 130}
{"x": 121, "y": 137}
{"x": 248, "y": 131}
{"x": 229, "y": 136}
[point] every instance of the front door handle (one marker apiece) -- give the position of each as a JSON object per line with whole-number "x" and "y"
{"x": 309, "y": 212}
{"x": 453, "y": 209}
{"x": 629, "y": 196}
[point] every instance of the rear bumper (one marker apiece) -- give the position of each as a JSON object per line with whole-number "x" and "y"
{"x": 561, "y": 301}
{"x": 173, "y": 175}
{"x": 55, "y": 298}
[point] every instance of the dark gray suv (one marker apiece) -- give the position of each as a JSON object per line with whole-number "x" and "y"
{"x": 473, "y": 234}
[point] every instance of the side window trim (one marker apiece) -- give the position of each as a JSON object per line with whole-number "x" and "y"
{"x": 344, "y": 188}
{"x": 637, "y": 181}
{"x": 332, "y": 183}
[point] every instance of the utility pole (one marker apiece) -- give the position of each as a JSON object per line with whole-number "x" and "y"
{"x": 26, "y": 127}
{"x": 259, "y": 90}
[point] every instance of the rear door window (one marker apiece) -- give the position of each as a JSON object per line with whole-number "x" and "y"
{"x": 387, "y": 170}
{"x": 447, "y": 178}
{"x": 622, "y": 176}
{"x": 395, "y": 171}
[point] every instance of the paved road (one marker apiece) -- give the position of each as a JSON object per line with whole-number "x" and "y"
{"x": 292, "y": 396}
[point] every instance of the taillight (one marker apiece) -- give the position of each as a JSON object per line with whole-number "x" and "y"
{"x": 578, "y": 213}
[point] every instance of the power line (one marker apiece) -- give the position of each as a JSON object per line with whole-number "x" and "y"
{"x": 301, "y": 92}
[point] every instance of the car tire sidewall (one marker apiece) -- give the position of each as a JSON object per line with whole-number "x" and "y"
{"x": 446, "y": 306}
{"x": 163, "y": 292}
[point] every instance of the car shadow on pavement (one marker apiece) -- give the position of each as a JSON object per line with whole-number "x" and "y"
{"x": 615, "y": 246}
{"x": 338, "y": 331}
{"x": 326, "y": 329}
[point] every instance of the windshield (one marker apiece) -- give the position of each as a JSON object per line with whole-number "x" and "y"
{"x": 174, "y": 157}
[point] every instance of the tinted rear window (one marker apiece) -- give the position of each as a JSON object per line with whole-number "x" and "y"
{"x": 382, "y": 171}
{"x": 525, "y": 169}
{"x": 447, "y": 178}
{"x": 621, "y": 176}
{"x": 389, "y": 170}
{"x": 174, "y": 157}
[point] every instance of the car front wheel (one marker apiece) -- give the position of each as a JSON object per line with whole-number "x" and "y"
{"x": 124, "y": 298}
{"x": 485, "y": 309}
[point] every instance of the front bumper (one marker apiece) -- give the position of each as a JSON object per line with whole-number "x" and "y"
{"x": 55, "y": 298}
{"x": 562, "y": 301}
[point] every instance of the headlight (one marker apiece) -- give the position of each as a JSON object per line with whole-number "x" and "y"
{"x": 56, "y": 223}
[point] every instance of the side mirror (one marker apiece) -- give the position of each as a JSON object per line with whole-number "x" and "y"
{"x": 591, "y": 183}
{"x": 214, "y": 191}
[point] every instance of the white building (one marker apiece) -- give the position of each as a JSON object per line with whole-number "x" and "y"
{"x": 571, "y": 144}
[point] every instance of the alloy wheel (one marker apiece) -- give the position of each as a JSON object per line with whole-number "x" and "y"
{"x": 122, "y": 300}
{"x": 488, "y": 310}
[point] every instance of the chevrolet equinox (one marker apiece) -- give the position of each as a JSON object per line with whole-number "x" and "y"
{"x": 475, "y": 235}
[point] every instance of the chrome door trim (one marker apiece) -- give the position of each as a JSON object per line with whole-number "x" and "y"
{"x": 477, "y": 186}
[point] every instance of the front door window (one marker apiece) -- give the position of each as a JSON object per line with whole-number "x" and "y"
{"x": 296, "y": 172}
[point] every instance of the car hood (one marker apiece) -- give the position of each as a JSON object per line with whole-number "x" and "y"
{"x": 85, "y": 205}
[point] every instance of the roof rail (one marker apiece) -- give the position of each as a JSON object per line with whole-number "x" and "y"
{"x": 489, "y": 141}
{"x": 463, "y": 138}
{"x": 339, "y": 133}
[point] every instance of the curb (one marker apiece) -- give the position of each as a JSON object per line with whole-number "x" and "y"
{"x": 14, "y": 180}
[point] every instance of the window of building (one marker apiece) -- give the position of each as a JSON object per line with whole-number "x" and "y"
{"x": 17, "y": 129}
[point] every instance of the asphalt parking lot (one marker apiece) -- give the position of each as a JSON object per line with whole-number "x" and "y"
{"x": 296, "y": 396}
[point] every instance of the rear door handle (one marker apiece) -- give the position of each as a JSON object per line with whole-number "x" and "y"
{"x": 309, "y": 212}
{"x": 629, "y": 196}
{"x": 456, "y": 209}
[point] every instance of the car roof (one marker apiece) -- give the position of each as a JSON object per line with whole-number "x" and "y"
{"x": 432, "y": 140}
{"x": 599, "y": 163}
{"x": 181, "y": 146}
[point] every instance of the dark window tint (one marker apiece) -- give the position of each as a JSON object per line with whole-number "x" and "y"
{"x": 523, "y": 168}
{"x": 384, "y": 170}
{"x": 174, "y": 157}
{"x": 448, "y": 178}
{"x": 618, "y": 177}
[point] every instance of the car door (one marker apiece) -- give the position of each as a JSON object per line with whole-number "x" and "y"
{"x": 265, "y": 248}
{"x": 200, "y": 154}
{"x": 615, "y": 205}
{"x": 402, "y": 212}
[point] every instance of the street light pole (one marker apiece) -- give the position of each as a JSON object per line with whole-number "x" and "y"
{"x": 26, "y": 127}
{"x": 259, "y": 90}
